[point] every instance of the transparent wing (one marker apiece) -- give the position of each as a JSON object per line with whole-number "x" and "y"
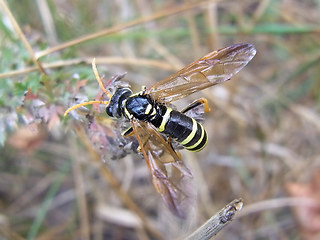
{"x": 214, "y": 68}
{"x": 170, "y": 176}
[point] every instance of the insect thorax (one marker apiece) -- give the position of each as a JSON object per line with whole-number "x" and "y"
{"x": 140, "y": 106}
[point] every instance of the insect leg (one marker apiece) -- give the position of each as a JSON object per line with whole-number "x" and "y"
{"x": 197, "y": 103}
{"x": 143, "y": 88}
{"x": 143, "y": 142}
{"x": 169, "y": 140}
{"x": 128, "y": 132}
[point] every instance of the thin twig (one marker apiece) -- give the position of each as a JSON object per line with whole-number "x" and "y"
{"x": 166, "y": 54}
{"x": 217, "y": 222}
{"x": 99, "y": 60}
{"x": 277, "y": 203}
{"x": 7, "y": 233}
{"x": 22, "y": 36}
{"x": 47, "y": 21}
{"x": 80, "y": 192}
{"x": 163, "y": 13}
{"x": 211, "y": 18}
{"x": 195, "y": 34}
{"x": 116, "y": 185}
{"x": 145, "y": 9}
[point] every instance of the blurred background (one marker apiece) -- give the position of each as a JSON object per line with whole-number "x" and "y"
{"x": 263, "y": 128}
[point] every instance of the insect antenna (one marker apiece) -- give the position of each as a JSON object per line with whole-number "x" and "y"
{"x": 94, "y": 68}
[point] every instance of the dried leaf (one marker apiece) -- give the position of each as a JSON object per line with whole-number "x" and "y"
{"x": 27, "y": 138}
{"x": 29, "y": 95}
{"x": 308, "y": 216}
{"x": 54, "y": 119}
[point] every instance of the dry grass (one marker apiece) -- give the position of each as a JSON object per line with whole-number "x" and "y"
{"x": 264, "y": 127}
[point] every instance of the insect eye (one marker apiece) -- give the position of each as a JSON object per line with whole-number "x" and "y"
{"x": 109, "y": 111}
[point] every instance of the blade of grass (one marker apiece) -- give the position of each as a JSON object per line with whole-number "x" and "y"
{"x": 47, "y": 201}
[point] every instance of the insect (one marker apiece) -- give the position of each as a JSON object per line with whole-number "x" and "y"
{"x": 155, "y": 125}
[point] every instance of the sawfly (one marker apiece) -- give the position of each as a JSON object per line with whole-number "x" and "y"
{"x": 156, "y": 125}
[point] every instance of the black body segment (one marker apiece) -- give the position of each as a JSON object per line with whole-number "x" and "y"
{"x": 186, "y": 131}
{"x": 157, "y": 118}
{"x": 199, "y": 141}
{"x": 114, "y": 109}
{"x": 176, "y": 125}
{"x": 137, "y": 106}
{"x": 179, "y": 126}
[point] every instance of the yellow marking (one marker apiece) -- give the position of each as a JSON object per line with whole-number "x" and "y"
{"x": 125, "y": 134}
{"x": 153, "y": 112}
{"x": 199, "y": 141}
{"x": 198, "y": 150}
{"x": 165, "y": 119}
{"x": 148, "y": 109}
{"x": 191, "y": 135}
{"x": 137, "y": 94}
{"x": 129, "y": 115}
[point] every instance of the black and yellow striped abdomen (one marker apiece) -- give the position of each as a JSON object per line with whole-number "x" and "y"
{"x": 185, "y": 130}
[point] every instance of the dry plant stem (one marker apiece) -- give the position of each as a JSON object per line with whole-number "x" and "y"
{"x": 276, "y": 203}
{"x": 205, "y": 200}
{"x": 166, "y": 54}
{"x": 7, "y": 233}
{"x": 298, "y": 109}
{"x": 97, "y": 230}
{"x": 217, "y": 222}
{"x": 116, "y": 185}
{"x": 22, "y": 37}
{"x": 54, "y": 231}
{"x": 47, "y": 21}
{"x": 118, "y": 28}
{"x": 144, "y": 7}
{"x": 31, "y": 194}
{"x": 99, "y": 60}
{"x": 195, "y": 35}
{"x": 211, "y": 14}
{"x": 262, "y": 7}
{"x": 81, "y": 196}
